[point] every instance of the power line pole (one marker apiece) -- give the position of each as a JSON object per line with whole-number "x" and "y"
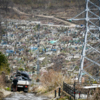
{"x": 6, "y": 8}
{"x": 91, "y": 24}
{"x": 99, "y": 12}
{"x": 0, "y": 30}
{"x": 38, "y": 40}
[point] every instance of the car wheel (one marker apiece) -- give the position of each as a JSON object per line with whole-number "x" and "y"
{"x": 18, "y": 89}
{"x": 25, "y": 91}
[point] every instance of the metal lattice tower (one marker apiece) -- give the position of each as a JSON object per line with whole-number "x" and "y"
{"x": 90, "y": 59}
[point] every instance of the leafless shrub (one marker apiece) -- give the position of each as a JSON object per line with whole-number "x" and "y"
{"x": 58, "y": 62}
{"x": 2, "y": 82}
{"x": 65, "y": 38}
{"x": 1, "y": 95}
{"x": 53, "y": 79}
{"x": 96, "y": 94}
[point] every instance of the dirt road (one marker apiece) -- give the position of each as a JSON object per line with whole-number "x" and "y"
{"x": 51, "y": 17}
{"x": 24, "y": 96}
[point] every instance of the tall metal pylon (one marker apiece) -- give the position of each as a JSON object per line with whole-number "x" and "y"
{"x": 90, "y": 59}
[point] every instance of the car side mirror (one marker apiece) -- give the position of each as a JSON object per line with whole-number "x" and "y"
{"x": 30, "y": 79}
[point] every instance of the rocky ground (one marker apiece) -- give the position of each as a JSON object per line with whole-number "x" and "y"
{"x": 4, "y": 93}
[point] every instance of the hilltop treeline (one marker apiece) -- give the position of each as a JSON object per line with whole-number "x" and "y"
{"x": 50, "y": 3}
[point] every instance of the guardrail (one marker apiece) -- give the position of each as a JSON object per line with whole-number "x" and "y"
{"x": 70, "y": 90}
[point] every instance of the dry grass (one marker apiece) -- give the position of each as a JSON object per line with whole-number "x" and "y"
{"x": 53, "y": 79}
{"x": 50, "y": 80}
{"x": 96, "y": 95}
